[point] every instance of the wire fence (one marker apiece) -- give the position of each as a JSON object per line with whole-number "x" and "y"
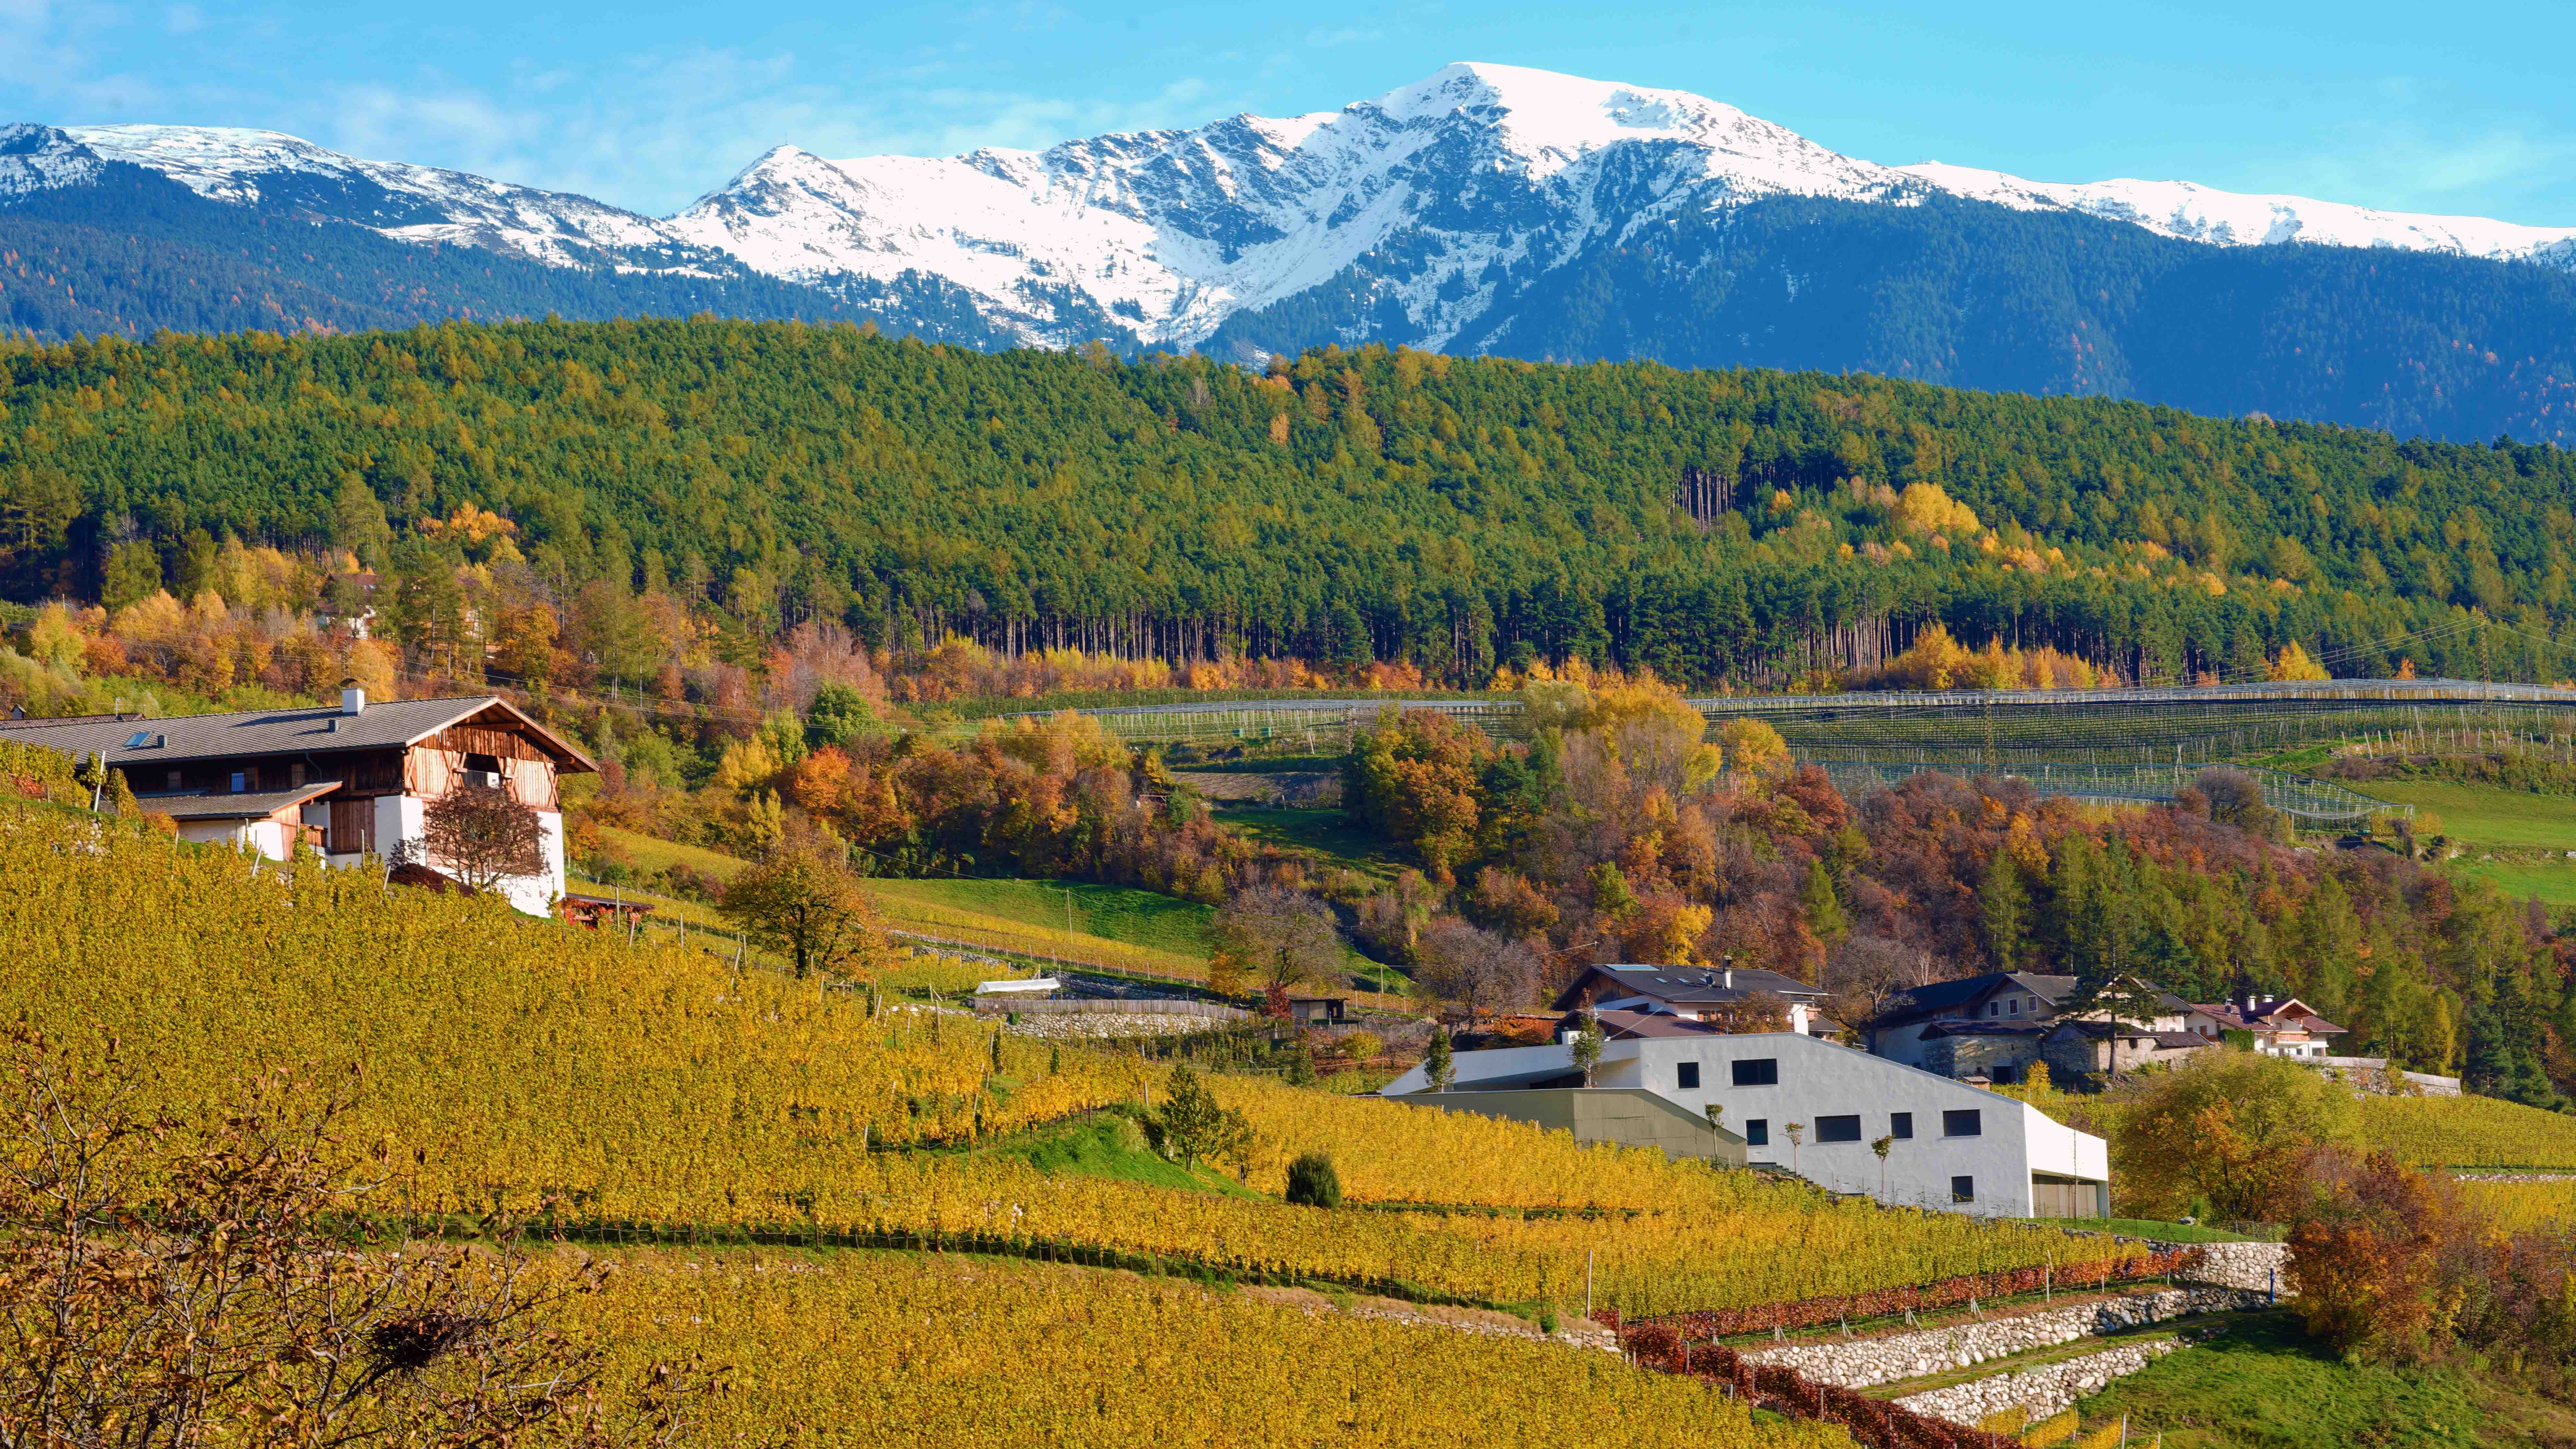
{"x": 1996, "y": 729}
{"x": 2318, "y": 802}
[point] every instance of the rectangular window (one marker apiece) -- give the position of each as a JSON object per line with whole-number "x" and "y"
{"x": 241, "y": 782}
{"x": 174, "y": 782}
{"x": 1900, "y": 1125}
{"x": 2013, "y": 1006}
{"x": 1963, "y": 1189}
{"x": 1758, "y": 1072}
{"x": 1838, "y": 1129}
{"x": 1689, "y": 1077}
{"x": 1969, "y": 1123}
{"x": 1757, "y": 1133}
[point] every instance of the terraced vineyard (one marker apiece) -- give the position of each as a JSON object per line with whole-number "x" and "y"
{"x": 539, "y": 1069}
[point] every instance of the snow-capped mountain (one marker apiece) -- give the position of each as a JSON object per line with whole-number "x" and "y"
{"x": 1440, "y": 193}
{"x": 1414, "y": 216}
{"x": 1432, "y": 187}
{"x": 423, "y": 204}
{"x": 2193, "y": 212}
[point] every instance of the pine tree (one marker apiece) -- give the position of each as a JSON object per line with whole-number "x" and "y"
{"x": 2003, "y": 907}
{"x": 1438, "y": 1067}
{"x": 1823, "y": 907}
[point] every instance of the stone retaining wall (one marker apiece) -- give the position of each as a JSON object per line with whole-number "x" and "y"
{"x": 2044, "y": 1390}
{"x": 2257, "y": 1267}
{"x": 1860, "y": 1362}
{"x": 1108, "y": 1025}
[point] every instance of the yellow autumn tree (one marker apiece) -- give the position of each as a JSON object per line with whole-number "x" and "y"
{"x": 2293, "y": 663}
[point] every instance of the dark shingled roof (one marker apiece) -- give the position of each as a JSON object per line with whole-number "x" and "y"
{"x": 216, "y": 805}
{"x": 1941, "y": 996}
{"x": 1692, "y": 984}
{"x": 392, "y": 724}
{"x": 1986, "y": 1026}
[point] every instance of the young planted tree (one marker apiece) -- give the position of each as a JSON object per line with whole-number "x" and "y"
{"x": 478, "y": 836}
{"x": 1587, "y": 1049}
{"x": 1192, "y": 1124}
{"x": 1437, "y": 1064}
{"x": 802, "y": 902}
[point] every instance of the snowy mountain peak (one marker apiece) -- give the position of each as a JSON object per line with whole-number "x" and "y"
{"x": 1416, "y": 216}
{"x": 1544, "y": 111}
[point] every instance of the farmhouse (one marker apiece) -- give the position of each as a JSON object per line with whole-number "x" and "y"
{"x": 349, "y": 782}
{"x": 1994, "y": 1027}
{"x": 2282, "y": 1026}
{"x": 1814, "y": 1108}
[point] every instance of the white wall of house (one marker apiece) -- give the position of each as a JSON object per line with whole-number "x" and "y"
{"x": 263, "y": 837}
{"x": 1826, "y": 1087}
{"x": 402, "y": 817}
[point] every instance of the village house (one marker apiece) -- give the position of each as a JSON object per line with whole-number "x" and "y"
{"x": 1723, "y": 995}
{"x": 1995, "y": 1027}
{"x": 1802, "y": 1105}
{"x": 352, "y": 782}
{"x": 2282, "y": 1026}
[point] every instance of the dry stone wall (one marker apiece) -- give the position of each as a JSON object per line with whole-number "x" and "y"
{"x": 2256, "y": 1267}
{"x": 2044, "y": 1390}
{"x": 1861, "y": 1362}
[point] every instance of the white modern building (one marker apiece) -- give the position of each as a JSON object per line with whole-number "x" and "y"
{"x": 1814, "y": 1108}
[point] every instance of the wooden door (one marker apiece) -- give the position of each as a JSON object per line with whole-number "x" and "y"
{"x": 353, "y": 827}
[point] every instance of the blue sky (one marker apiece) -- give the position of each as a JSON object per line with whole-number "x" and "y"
{"x": 2466, "y": 108}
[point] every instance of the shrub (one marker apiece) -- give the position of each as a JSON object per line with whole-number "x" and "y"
{"x": 1361, "y": 1046}
{"x": 1313, "y": 1183}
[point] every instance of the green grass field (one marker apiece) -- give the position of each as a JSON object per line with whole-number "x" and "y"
{"x": 2485, "y": 815}
{"x": 1114, "y": 913}
{"x": 2553, "y": 881}
{"x": 2266, "y": 1385}
{"x": 1326, "y": 835}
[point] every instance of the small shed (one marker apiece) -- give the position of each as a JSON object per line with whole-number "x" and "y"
{"x": 598, "y": 911}
{"x": 1317, "y": 1010}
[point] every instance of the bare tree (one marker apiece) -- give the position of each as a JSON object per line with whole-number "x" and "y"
{"x": 1280, "y": 937}
{"x": 479, "y": 836}
{"x": 168, "y": 1285}
{"x": 802, "y": 902}
{"x": 1475, "y": 969}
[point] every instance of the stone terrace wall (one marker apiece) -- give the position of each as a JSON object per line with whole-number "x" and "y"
{"x": 2258, "y": 1267}
{"x": 2043, "y": 1391}
{"x": 1860, "y": 1362}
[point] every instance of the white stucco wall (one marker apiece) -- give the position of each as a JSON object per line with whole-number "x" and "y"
{"x": 400, "y": 818}
{"x": 1818, "y": 1079}
{"x": 266, "y": 837}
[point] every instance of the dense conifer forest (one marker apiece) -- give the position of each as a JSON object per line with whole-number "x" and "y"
{"x": 1456, "y": 515}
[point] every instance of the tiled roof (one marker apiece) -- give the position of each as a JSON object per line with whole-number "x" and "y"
{"x": 216, "y": 805}
{"x": 2268, "y": 1019}
{"x": 390, "y": 724}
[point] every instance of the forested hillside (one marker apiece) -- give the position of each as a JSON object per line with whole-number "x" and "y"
{"x": 1453, "y": 514}
{"x": 1983, "y": 296}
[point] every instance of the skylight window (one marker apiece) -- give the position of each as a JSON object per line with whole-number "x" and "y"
{"x": 139, "y": 740}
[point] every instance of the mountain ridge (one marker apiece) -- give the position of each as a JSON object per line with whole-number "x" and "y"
{"x": 1483, "y": 209}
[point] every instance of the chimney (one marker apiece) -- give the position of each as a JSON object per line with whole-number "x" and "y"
{"x": 1730, "y": 978}
{"x": 353, "y": 700}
